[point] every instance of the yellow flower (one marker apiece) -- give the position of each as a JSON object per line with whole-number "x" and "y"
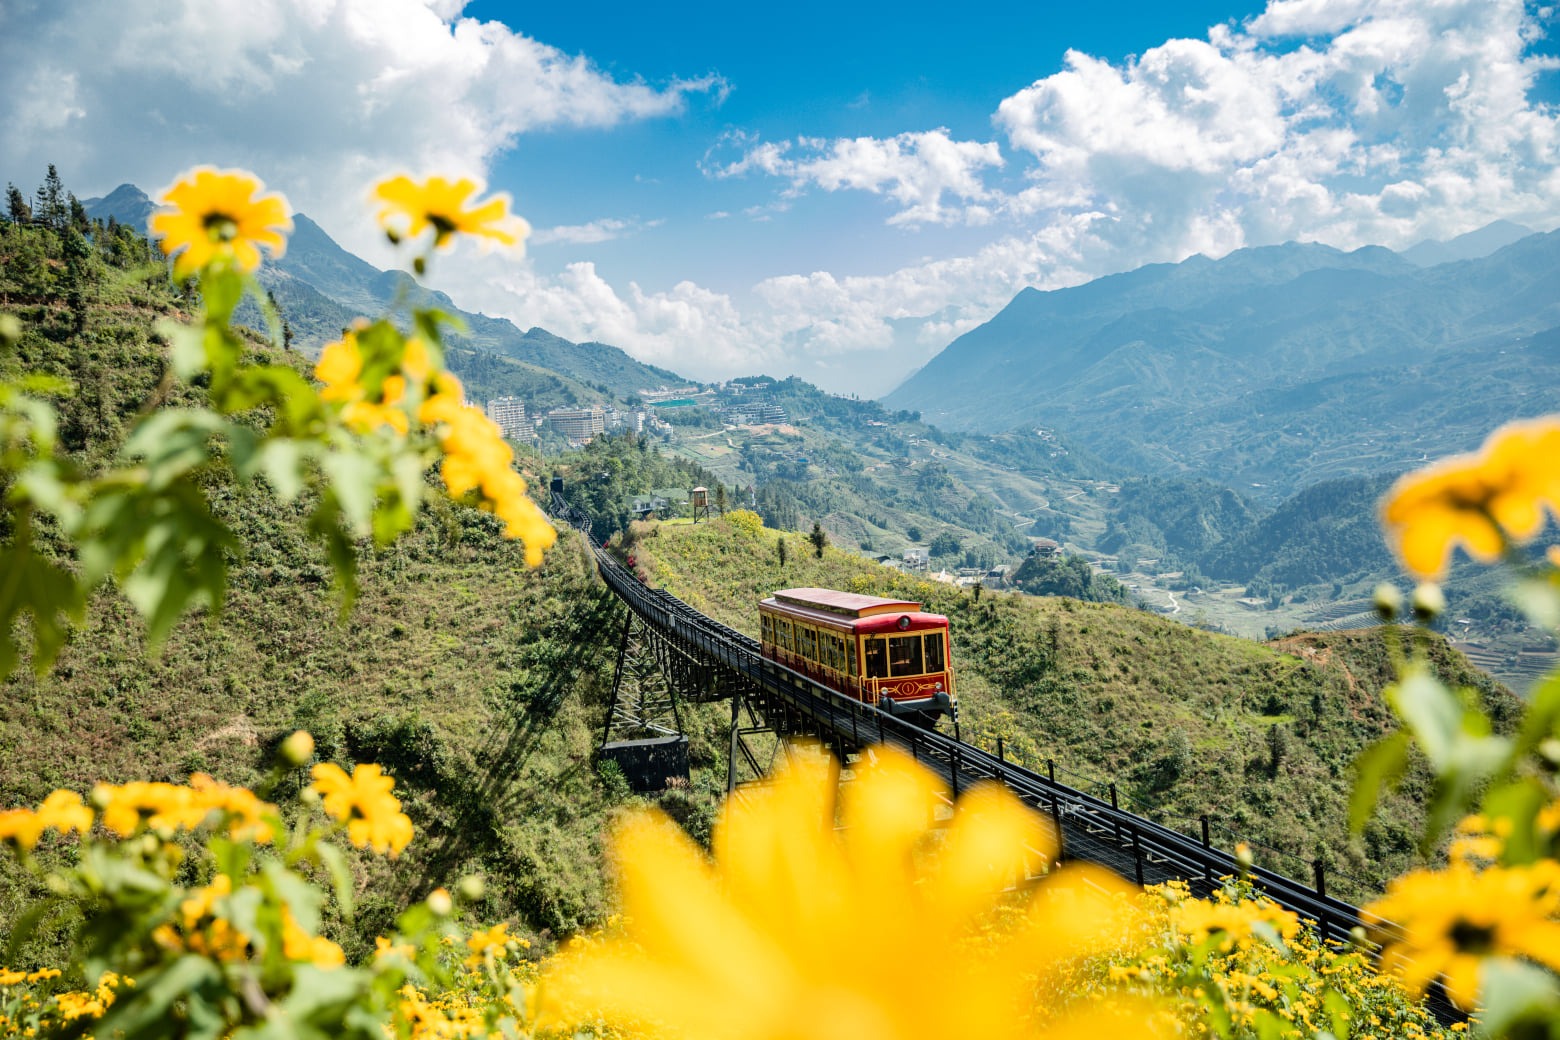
{"x": 61, "y": 810}
{"x": 339, "y": 366}
{"x": 1480, "y": 501}
{"x": 801, "y": 929}
{"x": 218, "y": 215}
{"x": 476, "y": 458}
{"x": 409, "y": 207}
{"x": 486, "y": 944}
{"x": 1454, "y": 919}
{"x": 299, "y": 945}
{"x": 363, "y": 801}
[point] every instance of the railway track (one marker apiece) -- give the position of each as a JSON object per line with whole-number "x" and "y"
{"x": 1089, "y": 828}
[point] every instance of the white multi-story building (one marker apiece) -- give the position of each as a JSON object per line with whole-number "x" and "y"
{"x": 578, "y": 425}
{"x": 509, "y": 415}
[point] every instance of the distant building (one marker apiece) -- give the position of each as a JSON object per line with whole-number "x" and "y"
{"x": 509, "y": 414}
{"x": 578, "y": 425}
{"x": 754, "y": 413}
{"x": 1045, "y": 548}
{"x": 917, "y": 558}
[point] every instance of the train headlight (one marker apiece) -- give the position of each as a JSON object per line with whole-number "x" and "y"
{"x": 904, "y": 622}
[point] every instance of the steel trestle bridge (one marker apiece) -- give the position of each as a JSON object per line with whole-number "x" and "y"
{"x": 707, "y": 661}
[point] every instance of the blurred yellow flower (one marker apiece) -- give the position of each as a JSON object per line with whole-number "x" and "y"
{"x": 364, "y": 803}
{"x": 799, "y": 929}
{"x": 494, "y": 942}
{"x": 1481, "y": 501}
{"x": 299, "y": 945}
{"x": 409, "y": 207}
{"x": 219, "y": 215}
{"x": 62, "y": 811}
{"x": 476, "y": 458}
{"x": 1453, "y": 920}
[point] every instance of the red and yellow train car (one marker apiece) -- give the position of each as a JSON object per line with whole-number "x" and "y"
{"x": 886, "y": 652}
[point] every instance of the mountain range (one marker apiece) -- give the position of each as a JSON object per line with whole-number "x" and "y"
{"x": 1272, "y": 368}
{"x": 320, "y": 288}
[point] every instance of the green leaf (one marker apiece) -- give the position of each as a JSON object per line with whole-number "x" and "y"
{"x": 221, "y": 289}
{"x": 281, "y": 461}
{"x": 353, "y": 478}
{"x": 26, "y": 926}
{"x": 42, "y": 589}
{"x": 1540, "y": 601}
{"x": 1380, "y": 765}
{"x": 1511, "y": 992}
{"x": 335, "y": 863}
{"x": 1430, "y": 711}
{"x": 186, "y": 347}
{"x": 146, "y": 1010}
{"x": 1518, "y": 803}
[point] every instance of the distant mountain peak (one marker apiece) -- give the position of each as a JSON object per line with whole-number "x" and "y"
{"x": 1474, "y": 245}
{"x": 127, "y": 204}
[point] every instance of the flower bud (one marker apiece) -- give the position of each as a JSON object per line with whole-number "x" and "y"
{"x": 471, "y": 889}
{"x": 1389, "y": 602}
{"x": 1549, "y": 751}
{"x": 1429, "y": 601}
{"x": 1243, "y": 857}
{"x": 309, "y": 797}
{"x": 296, "y": 749}
{"x": 440, "y": 903}
{"x": 10, "y": 330}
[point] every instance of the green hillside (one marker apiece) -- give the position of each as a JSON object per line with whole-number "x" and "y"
{"x": 479, "y": 684}
{"x": 1186, "y": 722}
{"x": 1274, "y": 367}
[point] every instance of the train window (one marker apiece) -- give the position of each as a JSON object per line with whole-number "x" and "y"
{"x": 783, "y": 634}
{"x": 767, "y": 626}
{"x": 934, "y": 651}
{"x": 807, "y": 643}
{"x": 904, "y": 655}
{"x": 877, "y": 659}
{"x": 836, "y": 653}
{"x": 850, "y": 657}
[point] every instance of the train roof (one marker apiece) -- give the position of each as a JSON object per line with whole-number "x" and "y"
{"x": 844, "y": 604}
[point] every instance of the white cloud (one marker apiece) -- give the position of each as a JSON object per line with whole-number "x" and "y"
{"x": 319, "y": 97}
{"x": 604, "y": 230}
{"x": 1344, "y": 121}
{"x": 917, "y": 170}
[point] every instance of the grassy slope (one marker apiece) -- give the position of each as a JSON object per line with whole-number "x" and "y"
{"x": 479, "y": 684}
{"x": 1179, "y": 718}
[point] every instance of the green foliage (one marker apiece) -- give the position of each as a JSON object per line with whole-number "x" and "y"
{"x": 1178, "y": 718}
{"x": 1067, "y": 576}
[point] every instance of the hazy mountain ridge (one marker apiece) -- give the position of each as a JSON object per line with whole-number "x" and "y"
{"x": 320, "y": 287}
{"x": 1170, "y": 368}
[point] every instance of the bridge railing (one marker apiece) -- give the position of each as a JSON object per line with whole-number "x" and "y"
{"x": 1088, "y": 826}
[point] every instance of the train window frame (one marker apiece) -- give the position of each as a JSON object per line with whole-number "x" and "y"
{"x": 913, "y": 645}
{"x": 807, "y": 642}
{"x": 766, "y": 626}
{"x": 939, "y": 641}
{"x": 852, "y": 665}
{"x": 879, "y": 644}
{"x": 783, "y": 633}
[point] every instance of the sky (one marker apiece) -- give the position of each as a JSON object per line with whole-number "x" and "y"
{"x": 830, "y": 190}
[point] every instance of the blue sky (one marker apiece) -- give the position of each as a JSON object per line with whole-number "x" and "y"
{"x": 830, "y": 190}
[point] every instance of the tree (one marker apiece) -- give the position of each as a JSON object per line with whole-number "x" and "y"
{"x": 720, "y": 499}
{"x": 16, "y": 205}
{"x": 945, "y": 544}
{"x": 52, "y": 208}
{"x": 818, "y": 538}
{"x": 780, "y": 550}
{"x": 913, "y": 533}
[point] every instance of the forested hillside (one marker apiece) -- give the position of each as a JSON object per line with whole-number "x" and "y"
{"x": 1259, "y": 737}
{"x": 1278, "y": 366}
{"x": 478, "y": 683}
